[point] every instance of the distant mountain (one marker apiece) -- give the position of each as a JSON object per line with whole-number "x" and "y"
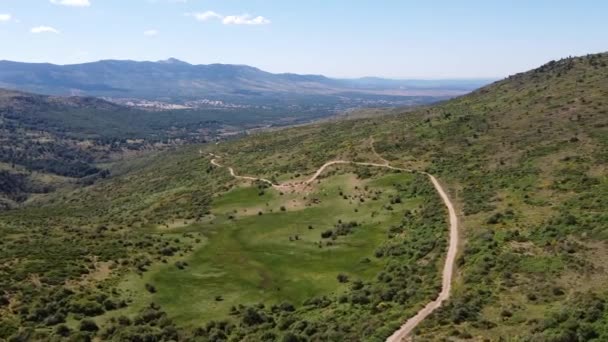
{"x": 175, "y": 80}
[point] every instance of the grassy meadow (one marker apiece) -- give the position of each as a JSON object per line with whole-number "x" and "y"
{"x": 256, "y": 252}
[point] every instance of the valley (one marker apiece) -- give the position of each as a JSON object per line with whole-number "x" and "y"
{"x": 62, "y": 140}
{"x": 479, "y": 218}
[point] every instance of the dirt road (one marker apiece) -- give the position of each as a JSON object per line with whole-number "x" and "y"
{"x": 233, "y": 174}
{"x": 448, "y": 270}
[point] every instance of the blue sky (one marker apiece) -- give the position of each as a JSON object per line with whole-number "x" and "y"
{"x": 340, "y": 38}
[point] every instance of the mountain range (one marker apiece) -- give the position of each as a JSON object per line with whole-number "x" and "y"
{"x": 175, "y": 80}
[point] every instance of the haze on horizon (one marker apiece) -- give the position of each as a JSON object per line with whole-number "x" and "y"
{"x": 425, "y": 40}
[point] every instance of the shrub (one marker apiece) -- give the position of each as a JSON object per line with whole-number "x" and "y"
{"x": 150, "y": 288}
{"x": 55, "y": 319}
{"x": 87, "y": 308}
{"x": 88, "y": 325}
{"x": 288, "y": 307}
{"x": 291, "y": 337}
{"x": 63, "y": 330}
{"x": 124, "y": 320}
{"x": 342, "y": 278}
{"x": 109, "y": 305}
{"x": 252, "y": 317}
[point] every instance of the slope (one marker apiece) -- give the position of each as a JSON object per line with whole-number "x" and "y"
{"x": 89, "y": 117}
{"x": 524, "y": 159}
{"x": 49, "y": 141}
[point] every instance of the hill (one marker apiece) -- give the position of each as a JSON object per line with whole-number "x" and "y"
{"x": 48, "y": 141}
{"x": 90, "y": 117}
{"x": 524, "y": 159}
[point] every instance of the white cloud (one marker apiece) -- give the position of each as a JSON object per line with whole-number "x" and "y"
{"x": 5, "y": 17}
{"x": 243, "y": 19}
{"x": 204, "y": 16}
{"x": 73, "y": 3}
{"x": 151, "y": 33}
{"x": 44, "y": 29}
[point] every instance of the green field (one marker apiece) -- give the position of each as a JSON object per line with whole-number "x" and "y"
{"x": 278, "y": 256}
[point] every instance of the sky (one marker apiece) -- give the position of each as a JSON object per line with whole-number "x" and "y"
{"x": 425, "y": 39}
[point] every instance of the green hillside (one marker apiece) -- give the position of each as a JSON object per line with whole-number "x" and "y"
{"x": 524, "y": 159}
{"x": 49, "y": 142}
{"x": 52, "y": 141}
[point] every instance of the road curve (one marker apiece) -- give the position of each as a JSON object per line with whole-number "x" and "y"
{"x": 448, "y": 269}
{"x": 233, "y": 174}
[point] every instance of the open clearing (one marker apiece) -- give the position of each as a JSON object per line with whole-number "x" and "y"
{"x": 405, "y": 330}
{"x": 278, "y": 256}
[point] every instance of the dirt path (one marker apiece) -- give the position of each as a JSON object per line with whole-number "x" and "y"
{"x": 371, "y": 143}
{"x": 448, "y": 270}
{"x": 233, "y": 174}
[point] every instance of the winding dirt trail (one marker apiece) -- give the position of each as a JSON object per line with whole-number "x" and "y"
{"x": 233, "y": 174}
{"x": 448, "y": 270}
{"x": 371, "y": 144}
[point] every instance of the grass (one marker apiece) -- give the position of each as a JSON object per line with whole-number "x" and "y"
{"x": 255, "y": 258}
{"x": 524, "y": 160}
